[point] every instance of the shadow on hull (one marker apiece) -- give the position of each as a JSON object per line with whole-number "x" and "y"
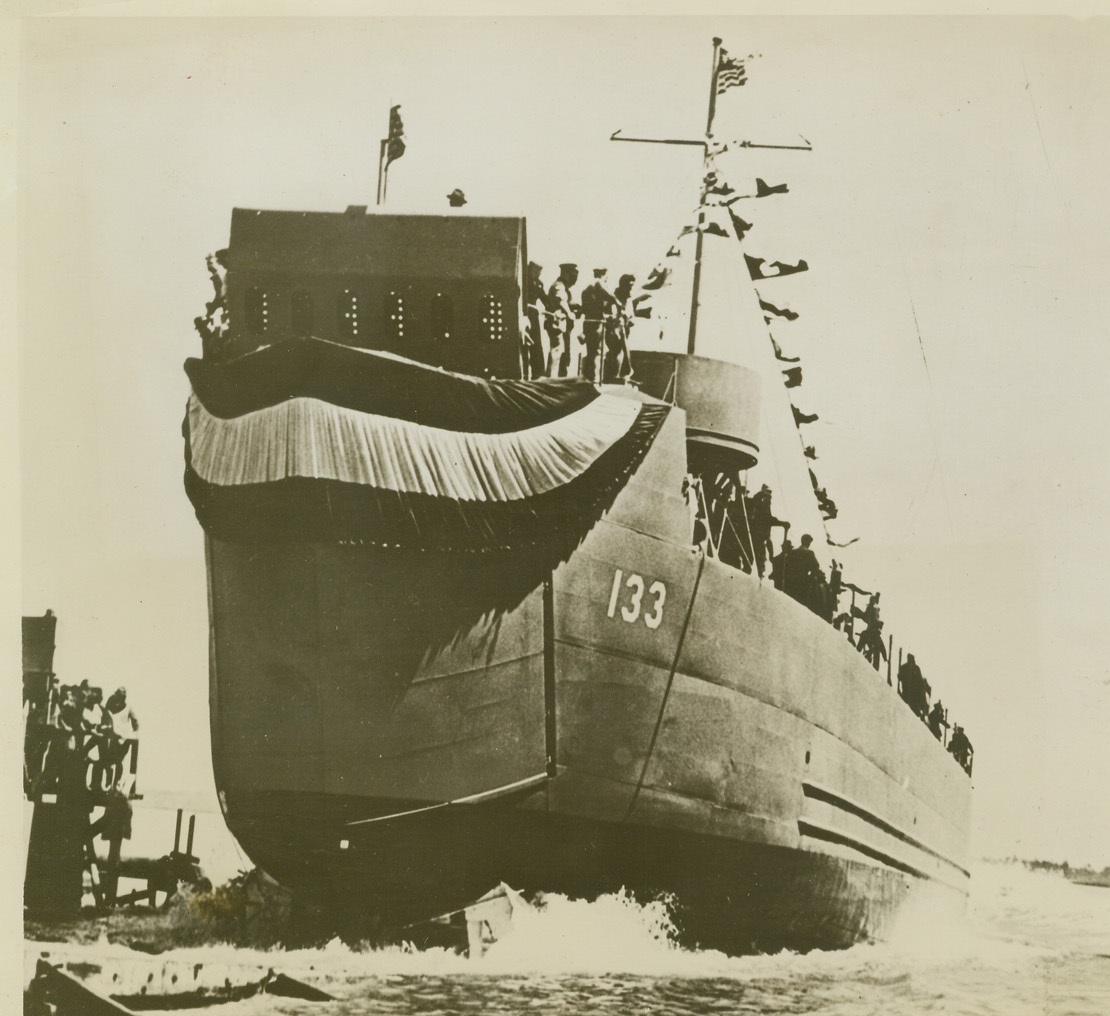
{"x": 385, "y": 885}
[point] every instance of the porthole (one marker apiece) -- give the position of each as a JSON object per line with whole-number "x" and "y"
{"x": 493, "y": 317}
{"x": 257, "y": 307}
{"x": 394, "y": 314}
{"x": 347, "y": 311}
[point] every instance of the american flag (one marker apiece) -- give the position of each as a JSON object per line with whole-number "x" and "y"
{"x": 731, "y": 72}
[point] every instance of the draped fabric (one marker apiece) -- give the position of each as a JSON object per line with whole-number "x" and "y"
{"x": 377, "y": 382}
{"x": 318, "y": 444}
{"x": 310, "y": 438}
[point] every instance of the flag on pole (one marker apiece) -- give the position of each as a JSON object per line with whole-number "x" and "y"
{"x": 758, "y": 271}
{"x": 731, "y": 72}
{"x": 395, "y": 143}
{"x": 739, "y": 225}
{"x": 763, "y": 189}
{"x": 779, "y": 354}
{"x": 783, "y": 312}
{"x": 657, "y": 278}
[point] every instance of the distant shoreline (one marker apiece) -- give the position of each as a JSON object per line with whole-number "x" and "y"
{"x": 1084, "y": 875}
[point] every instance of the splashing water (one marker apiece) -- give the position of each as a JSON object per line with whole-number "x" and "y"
{"x": 1030, "y": 944}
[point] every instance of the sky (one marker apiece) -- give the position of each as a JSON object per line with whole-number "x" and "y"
{"x": 952, "y": 324}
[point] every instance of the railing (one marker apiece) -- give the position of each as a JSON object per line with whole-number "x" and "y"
{"x": 713, "y": 519}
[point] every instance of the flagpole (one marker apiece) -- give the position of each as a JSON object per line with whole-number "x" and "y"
{"x": 381, "y": 170}
{"x": 713, "y": 87}
{"x": 691, "y": 340}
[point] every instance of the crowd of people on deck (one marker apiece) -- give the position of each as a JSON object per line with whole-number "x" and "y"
{"x": 66, "y": 720}
{"x": 585, "y": 336}
{"x": 737, "y": 527}
{"x": 916, "y": 692}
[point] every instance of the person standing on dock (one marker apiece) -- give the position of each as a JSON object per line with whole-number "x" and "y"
{"x": 125, "y": 726}
{"x": 560, "y": 321}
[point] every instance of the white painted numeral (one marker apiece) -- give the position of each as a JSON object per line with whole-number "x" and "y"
{"x": 632, "y": 607}
{"x": 632, "y": 611}
{"x": 616, "y": 592}
{"x": 655, "y": 618}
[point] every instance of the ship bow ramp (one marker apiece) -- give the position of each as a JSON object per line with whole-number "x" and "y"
{"x": 378, "y": 536}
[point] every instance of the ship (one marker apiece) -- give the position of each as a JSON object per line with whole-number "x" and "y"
{"x": 471, "y": 627}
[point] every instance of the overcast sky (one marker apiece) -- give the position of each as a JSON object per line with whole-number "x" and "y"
{"x": 952, "y": 325}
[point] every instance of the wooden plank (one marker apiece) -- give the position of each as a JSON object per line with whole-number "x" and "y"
{"x": 68, "y": 995}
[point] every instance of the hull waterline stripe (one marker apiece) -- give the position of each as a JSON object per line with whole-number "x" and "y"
{"x": 528, "y": 783}
{"x": 844, "y": 804}
{"x": 817, "y": 832}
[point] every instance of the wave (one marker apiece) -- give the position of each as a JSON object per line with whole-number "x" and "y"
{"x": 1016, "y": 919}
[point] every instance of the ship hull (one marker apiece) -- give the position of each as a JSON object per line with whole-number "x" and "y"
{"x": 734, "y": 895}
{"x": 395, "y": 732}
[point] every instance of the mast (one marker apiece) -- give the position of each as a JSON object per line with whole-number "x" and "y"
{"x": 696, "y": 288}
{"x": 709, "y": 149}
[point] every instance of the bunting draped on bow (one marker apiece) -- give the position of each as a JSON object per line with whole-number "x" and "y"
{"x": 314, "y": 441}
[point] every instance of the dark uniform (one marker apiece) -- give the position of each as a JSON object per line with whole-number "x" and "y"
{"x": 535, "y": 355}
{"x": 618, "y": 362}
{"x": 802, "y": 570}
{"x": 762, "y": 520}
{"x": 960, "y": 748}
{"x": 938, "y": 721}
{"x": 910, "y": 683}
{"x": 780, "y": 563}
{"x": 870, "y": 641}
{"x": 599, "y": 308}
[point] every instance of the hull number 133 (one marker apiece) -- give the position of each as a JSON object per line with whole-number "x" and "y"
{"x": 632, "y": 598}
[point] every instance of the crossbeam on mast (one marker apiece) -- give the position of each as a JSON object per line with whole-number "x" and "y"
{"x": 617, "y": 136}
{"x": 710, "y": 148}
{"x": 807, "y": 147}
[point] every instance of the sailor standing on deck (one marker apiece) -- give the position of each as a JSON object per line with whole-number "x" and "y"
{"x": 909, "y": 682}
{"x": 560, "y": 320}
{"x": 618, "y": 363}
{"x": 536, "y": 348}
{"x": 761, "y": 521}
{"x": 599, "y": 308}
{"x": 780, "y": 564}
{"x": 938, "y": 720}
{"x": 960, "y": 748}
